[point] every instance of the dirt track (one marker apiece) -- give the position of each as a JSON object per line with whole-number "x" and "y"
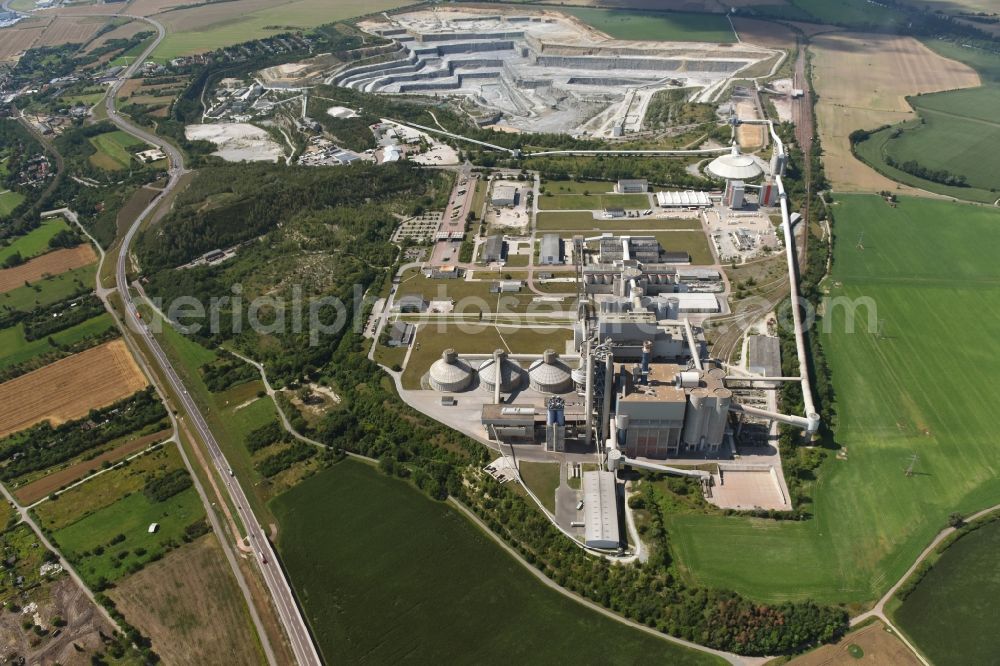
{"x": 50, "y": 263}
{"x": 69, "y": 388}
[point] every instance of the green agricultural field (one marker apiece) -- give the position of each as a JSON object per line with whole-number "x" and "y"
{"x": 88, "y": 543}
{"x": 114, "y": 150}
{"x": 958, "y": 132}
{"x": 15, "y": 349}
{"x": 852, "y": 13}
{"x": 10, "y": 200}
{"x": 592, "y": 201}
{"x": 390, "y": 579}
{"x": 874, "y": 151}
{"x": 51, "y": 289}
{"x": 36, "y": 241}
{"x": 950, "y": 614}
{"x": 659, "y": 26}
{"x": 924, "y": 388}
{"x": 205, "y": 28}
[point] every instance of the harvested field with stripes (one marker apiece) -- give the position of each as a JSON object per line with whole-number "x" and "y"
{"x": 68, "y": 389}
{"x": 50, "y": 263}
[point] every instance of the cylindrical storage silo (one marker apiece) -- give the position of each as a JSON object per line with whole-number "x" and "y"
{"x": 673, "y": 308}
{"x": 718, "y": 417}
{"x": 449, "y": 373}
{"x": 614, "y": 459}
{"x": 694, "y": 418}
{"x": 556, "y": 411}
{"x": 717, "y": 374}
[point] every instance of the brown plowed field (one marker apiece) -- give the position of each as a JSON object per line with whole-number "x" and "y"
{"x": 69, "y": 388}
{"x": 47, "y": 485}
{"x": 862, "y": 81}
{"x": 50, "y": 263}
{"x": 880, "y": 648}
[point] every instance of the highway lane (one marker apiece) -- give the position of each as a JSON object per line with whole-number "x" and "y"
{"x": 278, "y": 586}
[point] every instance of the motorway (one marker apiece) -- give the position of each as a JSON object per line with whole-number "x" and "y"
{"x": 277, "y": 584}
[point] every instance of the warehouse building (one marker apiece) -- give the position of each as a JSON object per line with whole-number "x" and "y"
{"x": 503, "y": 196}
{"x": 686, "y": 199}
{"x": 551, "y": 251}
{"x": 600, "y": 510}
{"x": 413, "y": 303}
{"x": 493, "y": 249}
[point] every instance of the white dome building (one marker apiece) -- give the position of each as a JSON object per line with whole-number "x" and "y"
{"x": 735, "y": 166}
{"x": 450, "y": 374}
{"x": 500, "y": 369}
{"x": 550, "y": 375}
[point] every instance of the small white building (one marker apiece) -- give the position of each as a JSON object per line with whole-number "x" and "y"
{"x": 631, "y": 186}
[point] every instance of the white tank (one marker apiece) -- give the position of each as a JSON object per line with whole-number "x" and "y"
{"x": 614, "y": 459}
{"x": 508, "y": 374}
{"x": 449, "y": 373}
{"x": 688, "y": 379}
{"x": 549, "y": 374}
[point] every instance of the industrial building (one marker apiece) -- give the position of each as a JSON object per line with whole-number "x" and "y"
{"x": 685, "y": 199}
{"x": 493, "y": 249}
{"x": 551, "y": 250}
{"x": 663, "y": 410}
{"x": 600, "y": 510}
{"x": 400, "y": 334}
{"x": 631, "y": 186}
{"x": 504, "y": 195}
{"x": 411, "y": 304}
